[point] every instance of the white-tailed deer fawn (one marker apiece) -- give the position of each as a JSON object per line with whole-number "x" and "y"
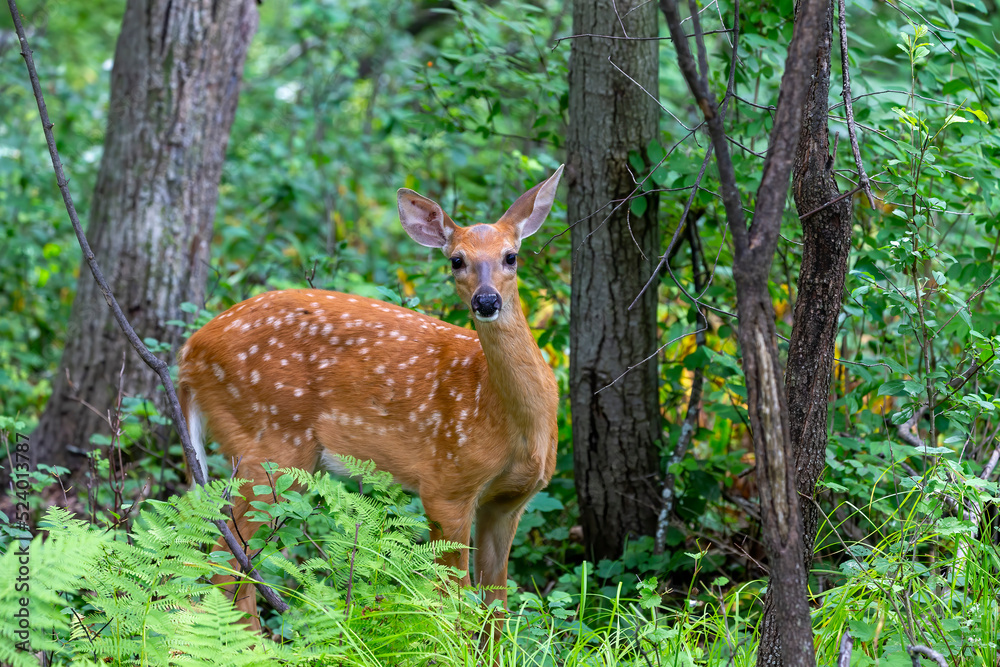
{"x": 468, "y": 421}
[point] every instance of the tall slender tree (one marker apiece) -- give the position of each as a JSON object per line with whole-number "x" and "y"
{"x": 615, "y": 248}
{"x": 826, "y": 245}
{"x": 767, "y": 406}
{"x": 174, "y": 88}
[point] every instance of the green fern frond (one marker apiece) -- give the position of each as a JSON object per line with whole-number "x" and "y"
{"x": 210, "y": 634}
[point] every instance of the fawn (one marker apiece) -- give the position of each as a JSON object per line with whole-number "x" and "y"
{"x": 465, "y": 419}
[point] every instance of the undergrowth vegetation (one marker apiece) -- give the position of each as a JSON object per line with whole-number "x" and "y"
{"x": 363, "y": 590}
{"x": 342, "y": 105}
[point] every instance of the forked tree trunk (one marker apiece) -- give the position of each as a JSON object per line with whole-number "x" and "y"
{"x": 826, "y": 246}
{"x": 615, "y": 432}
{"x": 174, "y": 87}
{"x": 754, "y": 253}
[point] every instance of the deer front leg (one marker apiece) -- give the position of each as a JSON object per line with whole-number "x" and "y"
{"x": 496, "y": 525}
{"x": 451, "y": 520}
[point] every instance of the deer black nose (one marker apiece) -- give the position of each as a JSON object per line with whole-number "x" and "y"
{"x": 486, "y": 305}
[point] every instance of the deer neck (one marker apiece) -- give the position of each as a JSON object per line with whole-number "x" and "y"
{"x": 522, "y": 382}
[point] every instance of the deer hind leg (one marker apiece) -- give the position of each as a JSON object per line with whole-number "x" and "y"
{"x": 451, "y": 520}
{"x": 244, "y": 594}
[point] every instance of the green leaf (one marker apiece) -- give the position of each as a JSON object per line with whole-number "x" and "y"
{"x": 543, "y": 502}
{"x": 972, "y": 41}
{"x": 892, "y": 388}
{"x": 863, "y": 632}
{"x": 655, "y": 152}
{"x": 282, "y": 484}
{"x": 638, "y": 206}
{"x": 954, "y": 526}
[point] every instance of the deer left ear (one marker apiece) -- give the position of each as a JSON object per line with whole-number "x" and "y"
{"x": 530, "y": 210}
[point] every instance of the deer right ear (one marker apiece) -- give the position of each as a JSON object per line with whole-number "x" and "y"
{"x": 423, "y": 219}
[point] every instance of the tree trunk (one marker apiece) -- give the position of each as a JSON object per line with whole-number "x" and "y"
{"x": 615, "y": 432}
{"x": 826, "y": 246}
{"x": 754, "y": 254}
{"x": 174, "y": 88}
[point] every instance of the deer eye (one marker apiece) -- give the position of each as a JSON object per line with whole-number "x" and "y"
{"x": 457, "y": 263}
{"x": 511, "y": 259}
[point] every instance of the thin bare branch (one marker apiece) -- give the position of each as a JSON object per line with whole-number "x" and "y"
{"x": 846, "y": 644}
{"x": 845, "y": 64}
{"x": 917, "y": 650}
{"x": 690, "y": 425}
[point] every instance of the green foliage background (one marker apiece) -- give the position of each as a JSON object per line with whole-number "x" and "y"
{"x": 344, "y": 103}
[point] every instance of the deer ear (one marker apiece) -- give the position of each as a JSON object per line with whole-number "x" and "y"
{"x": 530, "y": 210}
{"x": 423, "y": 219}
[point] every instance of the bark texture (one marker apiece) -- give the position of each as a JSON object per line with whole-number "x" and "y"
{"x": 174, "y": 89}
{"x": 615, "y": 432}
{"x": 826, "y": 246}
